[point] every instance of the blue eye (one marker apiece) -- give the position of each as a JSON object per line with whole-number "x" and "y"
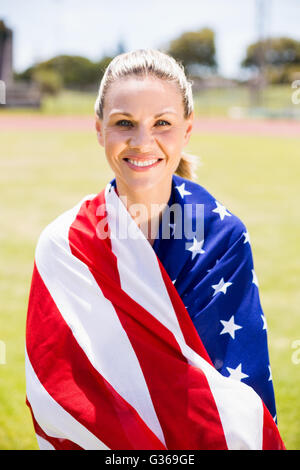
{"x": 161, "y": 122}
{"x": 123, "y": 120}
{"x": 165, "y": 122}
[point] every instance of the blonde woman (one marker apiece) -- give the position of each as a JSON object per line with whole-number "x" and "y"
{"x": 144, "y": 328}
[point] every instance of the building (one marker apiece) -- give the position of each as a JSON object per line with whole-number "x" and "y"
{"x": 13, "y": 94}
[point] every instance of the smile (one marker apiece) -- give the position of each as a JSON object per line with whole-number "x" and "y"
{"x": 140, "y": 165}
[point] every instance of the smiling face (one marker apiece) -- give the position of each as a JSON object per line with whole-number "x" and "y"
{"x": 143, "y": 132}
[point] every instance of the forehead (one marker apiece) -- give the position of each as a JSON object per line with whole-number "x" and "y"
{"x": 151, "y": 94}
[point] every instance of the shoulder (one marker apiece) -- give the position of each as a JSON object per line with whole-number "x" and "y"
{"x": 219, "y": 220}
{"x": 54, "y": 236}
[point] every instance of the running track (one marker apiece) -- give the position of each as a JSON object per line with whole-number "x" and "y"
{"x": 276, "y": 128}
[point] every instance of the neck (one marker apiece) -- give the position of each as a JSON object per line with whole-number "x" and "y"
{"x": 145, "y": 206}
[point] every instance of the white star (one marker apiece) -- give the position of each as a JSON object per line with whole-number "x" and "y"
{"x": 247, "y": 237}
{"x": 254, "y": 280}
{"x": 221, "y": 210}
{"x": 270, "y": 376}
{"x": 237, "y": 373}
{"x": 182, "y": 190}
{"x": 174, "y": 281}
{"x": 264, "y": 322}
{"x": 196, "y": 248}
{"x": 213, "y": 266}
{"x": 229, "y": 327}
{"x": 221, "y": 287}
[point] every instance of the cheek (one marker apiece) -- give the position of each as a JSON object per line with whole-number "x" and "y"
{"x": 113, "y": 136}
{"x": 114, "y": 141}
{"x": 172, "y": 142}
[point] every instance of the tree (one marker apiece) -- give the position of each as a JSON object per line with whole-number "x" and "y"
{"x": 74, "y": 71}
{"x": 280, "y": 58}
{"x": 195, "y": 48}
{"x": 49, "y": 81}
{"x": 102, "y": 65}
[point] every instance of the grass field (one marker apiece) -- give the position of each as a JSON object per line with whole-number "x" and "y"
{"x": 44, "y": 173}
{"x": 208, "y": 102}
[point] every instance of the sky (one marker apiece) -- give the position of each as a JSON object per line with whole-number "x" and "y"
{"x": 93, "y": 28}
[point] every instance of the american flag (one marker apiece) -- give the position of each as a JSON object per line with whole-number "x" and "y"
{"x": 130, "y": 346}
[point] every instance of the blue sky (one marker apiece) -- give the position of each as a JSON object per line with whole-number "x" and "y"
{"x": 92, "y": 28}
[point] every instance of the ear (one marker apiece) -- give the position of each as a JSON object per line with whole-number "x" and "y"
{"x": 189, "y": 127}
{"x": 99, "y": 130}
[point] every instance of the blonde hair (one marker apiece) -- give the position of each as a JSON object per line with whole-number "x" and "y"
{"x": 143, "y": 62}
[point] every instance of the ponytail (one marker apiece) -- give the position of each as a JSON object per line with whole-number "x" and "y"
{"x": 187, "y": 166}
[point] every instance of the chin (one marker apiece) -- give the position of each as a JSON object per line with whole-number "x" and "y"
{"x": 143, "y": 184}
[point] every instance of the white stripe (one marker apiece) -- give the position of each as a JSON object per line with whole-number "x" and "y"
{"x": 239, "y": 407}
{"x": 139, "y": 271}
{"x": 92, "y": 318}
{"x": 43, "y": 444}
{"x": 52, "y": 418}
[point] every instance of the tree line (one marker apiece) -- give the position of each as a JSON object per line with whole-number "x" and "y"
{"x": 278, "y": 59}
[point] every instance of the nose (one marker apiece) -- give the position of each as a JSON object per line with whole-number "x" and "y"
{"x": 142, "y": 138}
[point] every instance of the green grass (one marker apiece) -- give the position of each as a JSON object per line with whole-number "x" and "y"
{"x": 275, "y": 99}
{"x": 44, "y": 173}
{"x": 209, "y": 102}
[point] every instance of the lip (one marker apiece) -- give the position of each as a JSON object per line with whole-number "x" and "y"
{"x": 141, "y": 159}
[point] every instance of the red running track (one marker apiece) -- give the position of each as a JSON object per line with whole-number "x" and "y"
{"x": 276, "y": 128}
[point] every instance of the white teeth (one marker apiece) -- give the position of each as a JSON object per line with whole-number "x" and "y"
{"x": 144, "y": 163}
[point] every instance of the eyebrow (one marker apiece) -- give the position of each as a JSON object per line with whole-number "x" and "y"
{"x": 165, "y": 111}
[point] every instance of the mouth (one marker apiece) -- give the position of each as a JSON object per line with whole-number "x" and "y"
{"x": 142, "y": 164}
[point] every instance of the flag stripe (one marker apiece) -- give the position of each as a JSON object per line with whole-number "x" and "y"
{"x": 91, "y": 316}
{"x": 146, "y": 284}
{"x": 46, "y": 442}
{"x": 242, "y": 425}
{"x": 114, "y": 360}
{"x": 271, "y": 436}
{"x": 154, "y": 343}
{"x": 189, "y": 332}
{"x": 51, "y": 417}
{"x": 95, "y": 404}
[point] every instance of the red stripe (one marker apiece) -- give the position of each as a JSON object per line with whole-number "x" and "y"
{"x": 180, "y": 393}
{"x": 187, "y": 327}
{"x": 58, "y": 444}
{"x": 66, "y": 373}
{"x": 271, "y": 436}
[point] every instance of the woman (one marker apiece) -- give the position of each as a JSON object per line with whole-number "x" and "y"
{"x": 144, "y": 327}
